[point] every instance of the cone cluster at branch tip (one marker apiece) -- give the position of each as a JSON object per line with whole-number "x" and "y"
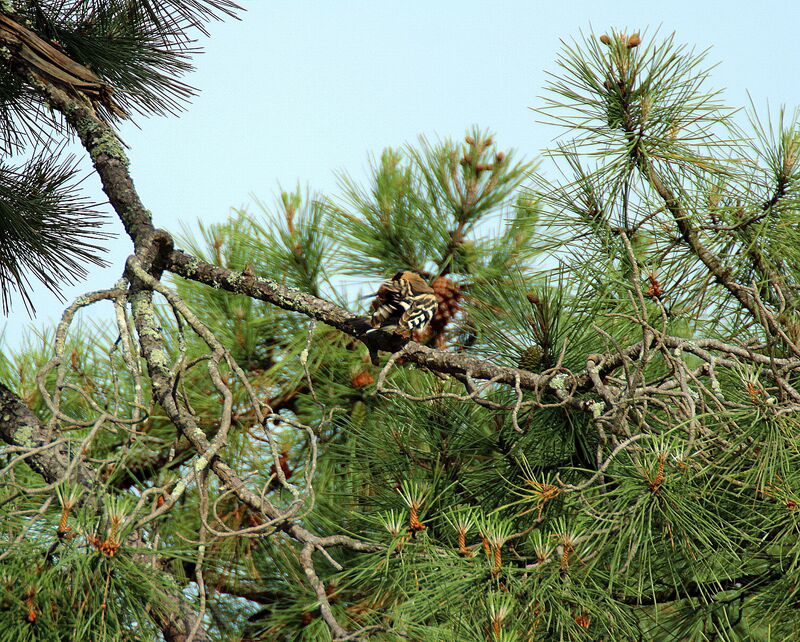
{"x": 632, "y": 41}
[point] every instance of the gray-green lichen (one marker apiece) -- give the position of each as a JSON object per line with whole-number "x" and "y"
{"x": 159, "y": 359}
{"x": 109, "y": 145}
{"x": 150, "y": 332}
{"x": 192, "y": 266}
{"x": 558, "y": 382}
{"x": 597, "y": 408}
{"x": 24, "y": 436}
{"x": 146, "y": 311}
{"x": 178, "y": 490}
{"x": 200, "y": 464}
{"x": 100, "y": 140}
{"x": 717, "y": 389}
{"x": 268, "y": 282}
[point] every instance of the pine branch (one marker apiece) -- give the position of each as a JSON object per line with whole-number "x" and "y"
{"x": 722, "y": 273}
{"x": 667, "y": 479}
{"x": 47, "y": 229}
{"x": 105, "y": 150}
{"x": 28, "y": 49}
{"x": 744, "y": 585}
{"x": 264, "y": 289}
{"x": 19, "y": 427}
{"x": 140, "y": 48}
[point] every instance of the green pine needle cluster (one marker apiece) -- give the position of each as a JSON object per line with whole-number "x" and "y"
{"x": 652, "y": 496}
{"x": 140, "y": 50}
{"x": 48, "y": 230}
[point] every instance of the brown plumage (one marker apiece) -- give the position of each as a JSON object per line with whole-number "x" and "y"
{"x": 404, "y": 303}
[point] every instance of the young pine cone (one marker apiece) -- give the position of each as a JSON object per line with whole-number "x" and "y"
{"x": 403, "y": 304}
{"x": 531, "y": 359}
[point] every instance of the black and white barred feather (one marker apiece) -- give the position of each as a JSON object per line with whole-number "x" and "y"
{"x": 403, "y": 304}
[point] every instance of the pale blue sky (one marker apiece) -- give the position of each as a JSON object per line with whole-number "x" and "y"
{"x": 298, "y": 90}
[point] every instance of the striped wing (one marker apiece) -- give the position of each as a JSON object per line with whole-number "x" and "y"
{"x": 419, "y": 313}
{"x": 403, "y": 306}
{"x": 392, "y": 302}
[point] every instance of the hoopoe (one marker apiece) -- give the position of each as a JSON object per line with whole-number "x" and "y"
{"x": 403, "y": 304}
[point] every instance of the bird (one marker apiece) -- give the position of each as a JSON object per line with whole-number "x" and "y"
{"x": 403, "y": 304}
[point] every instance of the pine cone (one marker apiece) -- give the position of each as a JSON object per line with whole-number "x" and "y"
{"x": 448, "y": 298}
{"x": 530, "y": 359}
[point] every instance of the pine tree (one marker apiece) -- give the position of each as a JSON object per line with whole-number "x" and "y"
{"x": 595, "y": 437}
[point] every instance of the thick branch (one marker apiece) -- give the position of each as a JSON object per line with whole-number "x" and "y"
{"x": 106, "y": 151}
{"x": 442, "y": 361}
{"x": 20, "y": 427}
{"x": 294, "y": 300}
